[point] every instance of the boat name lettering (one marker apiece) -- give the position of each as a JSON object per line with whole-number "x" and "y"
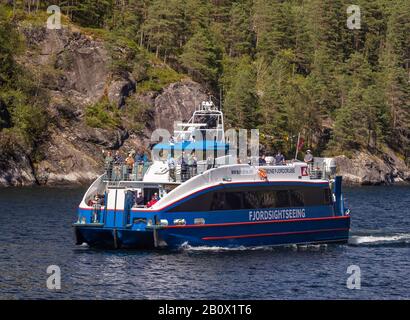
{"x": 278, "y": 214}
{"x": 280, "y": 170}
{"x": 242, "y": 171}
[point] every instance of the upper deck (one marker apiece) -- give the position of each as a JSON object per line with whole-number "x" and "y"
{"x": 206, "y": 123}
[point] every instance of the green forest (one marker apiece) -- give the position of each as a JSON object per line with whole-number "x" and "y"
{"x": 283, "y": 67}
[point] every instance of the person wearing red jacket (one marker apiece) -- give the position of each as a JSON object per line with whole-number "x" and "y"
{"x": 153, "y": 200}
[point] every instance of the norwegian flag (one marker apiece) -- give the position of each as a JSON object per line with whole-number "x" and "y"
{"x": 301, "y": 142}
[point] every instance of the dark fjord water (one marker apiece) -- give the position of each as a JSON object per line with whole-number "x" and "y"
{"x": 35, "y": 232}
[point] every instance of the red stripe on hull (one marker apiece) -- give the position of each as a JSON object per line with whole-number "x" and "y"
{"x": 255, "y": 222}
{"x": 272, "y": 234}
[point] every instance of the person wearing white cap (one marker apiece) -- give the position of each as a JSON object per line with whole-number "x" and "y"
{"x": 308, "y": 157}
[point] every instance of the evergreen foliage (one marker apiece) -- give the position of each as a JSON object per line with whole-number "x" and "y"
{"x": 282, "y": 66}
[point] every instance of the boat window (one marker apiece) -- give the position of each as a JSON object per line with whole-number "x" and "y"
{"x": 316, "y": 197}
{"x": 218, "y": 201}
{"x": 282, "y": 199}
{"x": 233, "y": 201}
{"x": 256, "y": 199}
{"x": 198, "y": 203}
{"x": 297, "y": 198}
{"x": 251, "y": 200}
{"x": 268, "y": 199}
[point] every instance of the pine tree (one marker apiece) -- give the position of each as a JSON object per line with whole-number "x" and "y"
{"x": 369, "y": 38}
{"x": 201, "y": 57}
{"x": 270, "y": 24}
{"x": 396, "y": 76}
{"x": 241, "y": 103}
{"x": 10, "y": 45}
{"x": 163, "y": 27}
{"x": 364, "y": 108}
{"x": 272, "y": 80}
{"x": 91, "y": 13}
{"x": 240, "y": 37}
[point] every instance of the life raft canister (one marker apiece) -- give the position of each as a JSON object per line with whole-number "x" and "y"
{"x": 262, "y": 174}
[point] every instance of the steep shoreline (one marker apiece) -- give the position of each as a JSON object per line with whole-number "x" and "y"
{"x": 78, "y": 76}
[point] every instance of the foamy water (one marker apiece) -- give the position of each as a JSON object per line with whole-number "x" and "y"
{"x": 377, "y": 239}
{"x": 293, "y": 247}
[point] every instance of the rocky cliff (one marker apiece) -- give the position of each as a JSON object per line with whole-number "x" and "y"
{"x": 367, "y": 169}
{"x": 75, "y": 73}
{"x": 72, "y": 152}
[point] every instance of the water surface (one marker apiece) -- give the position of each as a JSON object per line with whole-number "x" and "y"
{"x": 35, "y": 232}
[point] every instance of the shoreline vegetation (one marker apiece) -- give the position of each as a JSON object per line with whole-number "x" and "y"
{"x": 118, "y": 70}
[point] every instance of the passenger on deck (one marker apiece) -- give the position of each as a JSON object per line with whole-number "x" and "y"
{"x": 262, "y": 161}
{"x": 139, "y": 200}
{"x": 101, "y": 199}
{"x": 95, "y": 200}
{"x": 193, "y": 164}
{"x": 171, "y": 168}
{"x": 129, "y": 161}
{"x": 118, "y": 158}
{"x": 184, "y": 166}
{"x": 140, "y": 160}
{"x": 96, "y": 203}
{"x": 279, "y": 159}
{"x": 118, "y": 162}
{"x": 153, "y": 200}
{"x": 108, "y": 163}
{"x": 308, "y": 157}
{"x": 209, "y": 163}
{"x": 139, "y": 157}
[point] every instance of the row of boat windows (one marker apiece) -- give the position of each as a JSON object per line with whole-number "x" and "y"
{"x": 256, "y": 199}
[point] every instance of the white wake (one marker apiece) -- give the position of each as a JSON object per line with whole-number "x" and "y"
{"x": 380, "y": 239}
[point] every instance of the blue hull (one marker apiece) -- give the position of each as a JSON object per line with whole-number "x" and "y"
{"x": 266, "y": 234}
{"x": 114, "y": 238}
{"x": 309, "y": 231}
{"x": 296, "y": 216}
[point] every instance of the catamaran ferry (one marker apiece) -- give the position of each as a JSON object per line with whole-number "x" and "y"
{"x": 220, "y": 203}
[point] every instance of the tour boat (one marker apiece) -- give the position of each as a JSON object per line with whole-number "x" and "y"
{"x": 223, "y": 203}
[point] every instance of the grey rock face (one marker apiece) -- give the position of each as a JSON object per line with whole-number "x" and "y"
{"x": 367, "y": 169}
{"x": 73, "y": 151}
{"x": 16, "y": 169}
{"x": 177, "y": 102}
{"x": 119, "y": 90}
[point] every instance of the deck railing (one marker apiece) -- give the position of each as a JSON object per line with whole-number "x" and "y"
{"x": 123, "y": 172}
{"x": 319, "y": 170}
{"x": 117, "y": 173}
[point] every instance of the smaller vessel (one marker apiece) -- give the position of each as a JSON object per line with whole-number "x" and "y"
{"x": 220, "y": 203}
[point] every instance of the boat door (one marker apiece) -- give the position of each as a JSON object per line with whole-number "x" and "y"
{"x": 115, "y": 214}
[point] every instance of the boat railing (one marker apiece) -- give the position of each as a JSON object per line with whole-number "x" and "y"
{"x": 97, "y": 213}
{"x": 321, "y": 169}
{"x": 124, "y": 172}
